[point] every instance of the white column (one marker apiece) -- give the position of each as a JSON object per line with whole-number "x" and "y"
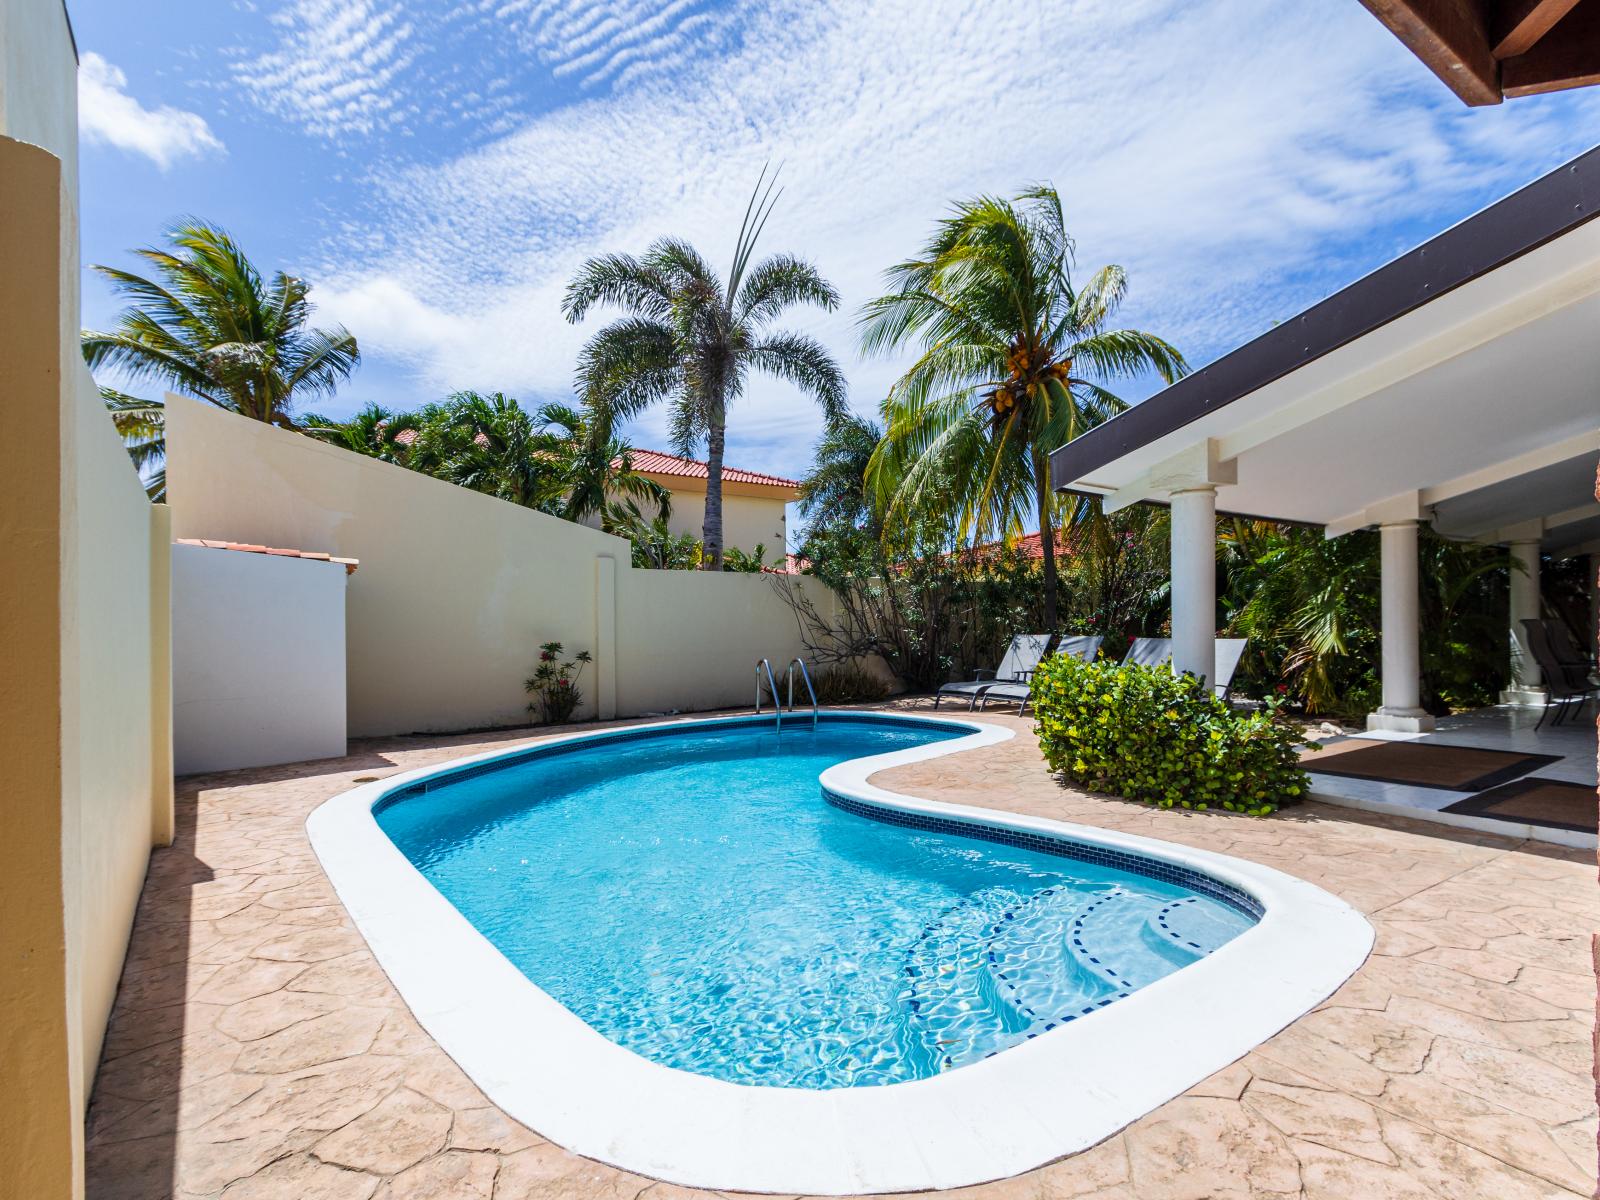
{"x": 1194, "y": 581}
{"x": 1402, "y": 659}
{"x": 1527, "y": 681}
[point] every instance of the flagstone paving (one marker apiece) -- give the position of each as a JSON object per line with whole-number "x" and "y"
{"x": 258, "y": 1051}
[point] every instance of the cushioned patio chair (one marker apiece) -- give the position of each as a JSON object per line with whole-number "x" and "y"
{"x": 1019, "y": 662}
{"x": 1020, "y": 691}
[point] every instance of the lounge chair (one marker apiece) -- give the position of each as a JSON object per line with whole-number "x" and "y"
{"x": 1020, "y": 691}
{"x": 1567, "y": 684}
{"x": 1157, "y": 652}
{"x": 1020, "y": 661}
{"x": 1148, "y": 652}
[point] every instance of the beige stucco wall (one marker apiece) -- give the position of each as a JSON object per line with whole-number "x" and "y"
{"x": 79, "y": 618}
{"x": 456, "y": 590}
{"x": 748, "y": 520}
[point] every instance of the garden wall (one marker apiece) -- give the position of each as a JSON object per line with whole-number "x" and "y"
{"x": 258, "y": 661}
{"x": 456, "y": 590}
{"x": 83, "y": 717}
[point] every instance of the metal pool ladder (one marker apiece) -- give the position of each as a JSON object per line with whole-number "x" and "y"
{"x": 764, "y": 667}
{"x": 772, "y": 685}
{"x": 805, "y": 676}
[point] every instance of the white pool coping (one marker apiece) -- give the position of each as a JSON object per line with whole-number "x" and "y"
{"x": 1054, "y": 1095}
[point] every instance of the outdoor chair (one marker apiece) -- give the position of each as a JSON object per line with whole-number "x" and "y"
{"x": 1157, "y": 652}
{"x": 1019, "y": 693}
{"x": 1566, "y": 646}
{"x": 1019, "y": 662}
{"x": 1567, "y": 683}
{"x": 1148, "y": 652}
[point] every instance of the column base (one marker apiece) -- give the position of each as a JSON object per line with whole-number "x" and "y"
{"x": 1534, "y": 697}
{"x": 1399, "y": 720}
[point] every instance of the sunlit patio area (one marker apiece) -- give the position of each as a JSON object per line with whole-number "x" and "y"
{"x": 256, "y": 1049}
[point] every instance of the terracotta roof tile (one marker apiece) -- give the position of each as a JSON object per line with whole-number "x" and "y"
{"x": 349, "y": 564}
{"x": 655, "y": 462}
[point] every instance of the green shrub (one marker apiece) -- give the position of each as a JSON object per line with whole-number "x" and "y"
{"x": 1146, "y": 734}
{"x": 849, "y": 683}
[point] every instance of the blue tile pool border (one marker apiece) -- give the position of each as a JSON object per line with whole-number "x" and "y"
{"x": 1062, "y": 846}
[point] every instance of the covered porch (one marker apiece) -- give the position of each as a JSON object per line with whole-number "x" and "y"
{"x": 1456, "y": 387}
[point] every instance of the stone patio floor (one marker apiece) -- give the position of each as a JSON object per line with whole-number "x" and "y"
{"x": 257, "y": 1050}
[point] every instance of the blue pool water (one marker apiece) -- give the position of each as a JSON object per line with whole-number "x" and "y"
{"x": 695, "y": 898}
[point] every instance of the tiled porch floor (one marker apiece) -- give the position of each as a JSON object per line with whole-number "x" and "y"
{"x": 1504, "y": 727}
{"x": 257, "y": 1051}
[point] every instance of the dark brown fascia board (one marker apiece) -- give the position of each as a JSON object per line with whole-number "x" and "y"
{"x": 1567, "y": 57}
{"x": 1450, "y": 38}
{"x": 1548, "y": 207}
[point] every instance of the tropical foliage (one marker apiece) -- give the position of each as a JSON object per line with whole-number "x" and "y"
{"x": 204, "y": 322}
{"x": 555, "y": 459}
{"x": 1015, "y": 359}
{"x": 1146, "y": 734}
{"x": 691, "y": 340}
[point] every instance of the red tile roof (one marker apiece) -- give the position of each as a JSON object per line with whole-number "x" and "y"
{"x": 655, "y": 462}
{"x": 350, "y": 564}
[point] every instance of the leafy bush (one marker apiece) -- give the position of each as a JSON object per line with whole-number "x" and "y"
{"x": 554, "y": 684}
{"x": 1146, "y": 734}
{"x": 848, "y": 683}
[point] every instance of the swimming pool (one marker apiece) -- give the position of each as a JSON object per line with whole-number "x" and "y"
{"x": 694, "y": 898}
{"x": 732, "y": 961}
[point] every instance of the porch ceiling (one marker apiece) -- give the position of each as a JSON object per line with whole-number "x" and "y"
{"x": 1477, "y": 408}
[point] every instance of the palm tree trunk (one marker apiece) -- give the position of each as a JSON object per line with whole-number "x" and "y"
{"x": 711, "y": 530}
{"x": 1047, "y": 538}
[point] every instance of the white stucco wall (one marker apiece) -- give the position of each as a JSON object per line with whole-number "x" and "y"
{"x": 457, "y": 590}
{"x": 258, "y": 659}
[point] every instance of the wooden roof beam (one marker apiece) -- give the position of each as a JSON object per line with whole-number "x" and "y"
{"x": 1518, "y": 24}
{"x": 1451, "y": 37}
{"x": 1569, "y": 57}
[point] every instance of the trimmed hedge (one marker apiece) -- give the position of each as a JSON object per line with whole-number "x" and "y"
{"x": 1146, "y": 734}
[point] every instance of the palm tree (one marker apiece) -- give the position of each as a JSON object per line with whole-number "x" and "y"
{"x": 490, "y": 444}
{"x": 598, "y": 473}
{"x": 692, "y": 340}
{"x": 143, "y": 426}
{"x": 205, "y": 323}
{"x": 374, "y": 431}
{"x": 833, "y": 493}
{"x": 1013, "y": 364}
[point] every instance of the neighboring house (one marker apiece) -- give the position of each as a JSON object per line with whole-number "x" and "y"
{"x": 754, "y": 506}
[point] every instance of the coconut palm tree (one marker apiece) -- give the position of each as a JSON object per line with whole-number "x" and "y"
{"x": 204, "y": 322}
{"x": 692, "y": 339}
{"x": 143, "y": 425}
{"x": 1014, "y": 361}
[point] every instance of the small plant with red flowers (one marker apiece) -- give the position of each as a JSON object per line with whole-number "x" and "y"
{"x": 554, "y": 684}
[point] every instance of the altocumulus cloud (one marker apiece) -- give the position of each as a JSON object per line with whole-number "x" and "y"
{"x": 1242, "y": 158}
{"x": 108, "y": 115}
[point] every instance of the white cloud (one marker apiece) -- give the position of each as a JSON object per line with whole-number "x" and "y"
{"x": 109, "y": 116}
{"x": 1241, "y": 159}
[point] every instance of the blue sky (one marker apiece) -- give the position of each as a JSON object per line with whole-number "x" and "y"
{"x": 439, "y": 169}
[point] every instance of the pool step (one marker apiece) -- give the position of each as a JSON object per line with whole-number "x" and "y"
{"x": 953, "y": 1004}
{"x": 999, "y": 967}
